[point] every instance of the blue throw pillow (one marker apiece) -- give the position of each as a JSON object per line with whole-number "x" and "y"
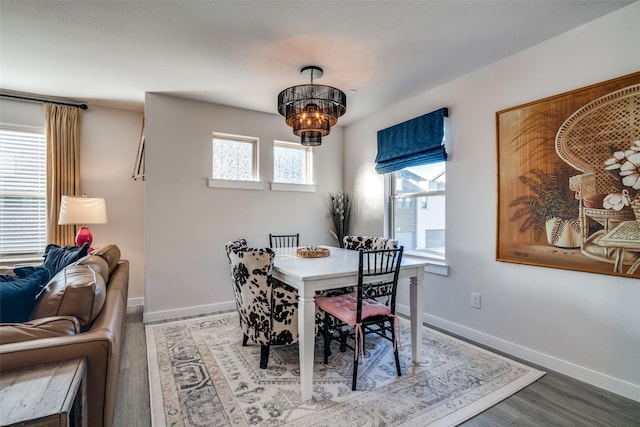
{"x": 57, "y": 258}
{"x": 18, "y": 293}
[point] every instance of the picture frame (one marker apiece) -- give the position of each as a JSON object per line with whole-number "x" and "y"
{"x": 552, "y": 181}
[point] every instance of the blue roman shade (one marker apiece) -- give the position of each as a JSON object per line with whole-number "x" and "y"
{"x": 415, "y": 142}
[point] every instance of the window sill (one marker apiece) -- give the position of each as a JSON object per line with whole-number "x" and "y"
{"x": 303, "y": 188}
{"x": 21, "y": 261}
{"x": 434, "y": 265}
{"x": 238, "y": 185}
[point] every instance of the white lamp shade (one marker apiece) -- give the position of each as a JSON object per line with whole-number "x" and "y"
{"x": 82, "y": 210}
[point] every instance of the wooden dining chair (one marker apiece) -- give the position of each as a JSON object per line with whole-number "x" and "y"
{"x": 284, "y": 240}
{"x": 267, "y": 308}
{"x": 378, "y": 272}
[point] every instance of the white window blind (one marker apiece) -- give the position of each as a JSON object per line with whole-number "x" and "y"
{"x": 23, "y": 210}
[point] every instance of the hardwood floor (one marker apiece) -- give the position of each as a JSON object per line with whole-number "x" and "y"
{"x": 554, "y": 400}
{"x": 132, "y": 402}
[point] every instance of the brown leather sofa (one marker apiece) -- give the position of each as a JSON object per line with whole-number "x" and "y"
{"x": 81, "y": 313}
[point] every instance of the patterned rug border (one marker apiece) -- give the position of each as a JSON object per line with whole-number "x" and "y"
{"x": 453, "y": 419}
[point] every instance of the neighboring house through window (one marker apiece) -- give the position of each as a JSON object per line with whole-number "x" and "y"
{"x": 23, "y": 179}
{"x": 417, "y": 196}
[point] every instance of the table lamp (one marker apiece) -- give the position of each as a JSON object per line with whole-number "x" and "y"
{"x": 82, "y": 210}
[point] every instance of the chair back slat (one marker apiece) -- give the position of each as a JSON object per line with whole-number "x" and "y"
{"x": 378, "y": 273}
{"x": 284, "y": 240}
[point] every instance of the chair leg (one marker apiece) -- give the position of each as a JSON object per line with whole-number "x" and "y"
{"x": 395, "y": 352}
{"x": 354, "y": 380}
{"x": 264, "y": 356}
{"x": 343, "y": 339}
{"x": 244, "y": 340}
{"x": 327, "y": 339}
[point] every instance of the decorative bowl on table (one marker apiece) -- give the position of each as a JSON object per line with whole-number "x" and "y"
{"x": 312, "y": 252}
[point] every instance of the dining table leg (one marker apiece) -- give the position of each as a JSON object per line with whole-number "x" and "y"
{"x": 306, "y": 338}
{"x": 417, "y": 309}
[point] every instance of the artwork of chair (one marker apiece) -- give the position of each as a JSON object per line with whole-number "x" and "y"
{"x": 585, "y": 141}
{"x": 368, "y": 243}
{"x": 377, "y": 275}
{"x": 268, "y": 309}
{"x": 284, "y": 240}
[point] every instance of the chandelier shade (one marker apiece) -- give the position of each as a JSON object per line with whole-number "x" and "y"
{"x": 312, "y": 109}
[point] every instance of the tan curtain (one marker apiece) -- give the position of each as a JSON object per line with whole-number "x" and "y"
{"x": 63, "y": 167}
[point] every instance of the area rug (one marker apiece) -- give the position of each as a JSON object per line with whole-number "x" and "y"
{"x": 201, "y": 375}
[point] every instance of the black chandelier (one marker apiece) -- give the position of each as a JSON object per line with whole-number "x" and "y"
{"x": 312, "y": 109}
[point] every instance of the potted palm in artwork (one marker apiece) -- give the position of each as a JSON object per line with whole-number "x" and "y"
{"x": 549, "y": 207}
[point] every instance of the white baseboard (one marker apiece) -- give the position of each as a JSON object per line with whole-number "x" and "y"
{"x": 595, "y": 378}
{"x": 134, "y": 302}
{"x": 156, "y": 316}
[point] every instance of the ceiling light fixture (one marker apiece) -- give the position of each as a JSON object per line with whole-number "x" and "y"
{"x": 312, "y": 109}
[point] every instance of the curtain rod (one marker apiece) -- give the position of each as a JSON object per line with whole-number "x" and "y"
{"x": 48, "y": 101}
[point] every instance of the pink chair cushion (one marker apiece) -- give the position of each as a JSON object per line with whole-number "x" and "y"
{"x": 344, "y": 307}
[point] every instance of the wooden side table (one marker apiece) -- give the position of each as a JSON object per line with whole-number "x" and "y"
{"x": 47, "y": 395}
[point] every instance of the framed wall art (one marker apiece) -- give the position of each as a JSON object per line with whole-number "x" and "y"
{"x": 569, "y": 180}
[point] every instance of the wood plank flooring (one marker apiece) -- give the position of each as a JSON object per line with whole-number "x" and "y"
{"x": 555, "y": 400}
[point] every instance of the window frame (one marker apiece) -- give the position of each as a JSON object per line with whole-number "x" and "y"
{"x": 308, "y": 185}
{"x": 30, "y": 256}
{"x": 251, "y": 184}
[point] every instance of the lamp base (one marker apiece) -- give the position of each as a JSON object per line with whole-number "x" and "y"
{"x": 84, "y": 236}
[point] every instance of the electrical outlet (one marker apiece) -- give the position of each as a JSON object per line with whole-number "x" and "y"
{"x": 475, "y": 300}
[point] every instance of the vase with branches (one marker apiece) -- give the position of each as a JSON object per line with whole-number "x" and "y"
{"x": 340, "y": 211}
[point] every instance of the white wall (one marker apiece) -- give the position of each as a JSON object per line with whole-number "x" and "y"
{"x": 187, "y": 223}
{"x": 584, "y": 325}
{"x": 109, "y": 142}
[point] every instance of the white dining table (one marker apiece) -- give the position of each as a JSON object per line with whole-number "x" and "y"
{"x": 338, "y": 270}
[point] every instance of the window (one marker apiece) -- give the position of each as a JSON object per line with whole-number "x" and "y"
{"x": 23, "y": 178}
{"x": 234, "y": 157}
{"x": 235, "y": 162}
{"x": 417, "y": 201}
{"x": 292, "y": 163}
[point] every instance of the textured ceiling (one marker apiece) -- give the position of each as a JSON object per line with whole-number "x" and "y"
{"x": 243, "y": 53}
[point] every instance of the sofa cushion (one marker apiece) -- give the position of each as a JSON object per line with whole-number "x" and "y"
{"x": 48, "y": 327}
{"x": 99, "y": 265}
{"x": 57, "y": 258}
{"x": 78, "y": 290}
{"x": 18, "y": 292}
{"x": 111, "y": 254}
